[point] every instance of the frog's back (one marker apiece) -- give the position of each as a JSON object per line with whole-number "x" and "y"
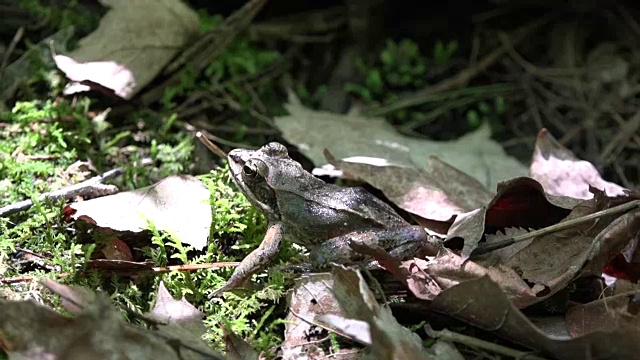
{"x": 357, "y": 200}
{"x": 327, "y": 214}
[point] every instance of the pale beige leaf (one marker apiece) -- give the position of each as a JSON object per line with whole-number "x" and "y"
{"x": 177, "y": 204}
{"x": 561, "y": 173}
{"x": 436, "y": 192}
{"x": 133, "y": 42}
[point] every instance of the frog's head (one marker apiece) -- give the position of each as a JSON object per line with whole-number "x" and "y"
{"x": 259, "y": 174}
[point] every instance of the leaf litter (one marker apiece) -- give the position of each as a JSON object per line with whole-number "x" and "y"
{"x": 451, "y": 183}
{"x": 493, "y": 289}
{"x": 132, "y": 44}
{"x": 177, "y": 204}
{"x": 490, "y": 291}
{"x": 353, "y": 135}
{"x": 96, "y": 331}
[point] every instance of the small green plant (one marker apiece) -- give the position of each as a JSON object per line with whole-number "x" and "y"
{"x": 487, "y": 113}
{"x": 62, "y": 15}
{"x": 399, "y": 66}
{"x": 241, "y": 62}
{"x": 443, "y": 53}
{"x": 311, "y": 99}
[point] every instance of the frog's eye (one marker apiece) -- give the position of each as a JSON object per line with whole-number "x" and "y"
{"x": 249, "y": 171}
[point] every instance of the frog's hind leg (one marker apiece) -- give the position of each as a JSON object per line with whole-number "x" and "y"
{"x": 255, "y": 261}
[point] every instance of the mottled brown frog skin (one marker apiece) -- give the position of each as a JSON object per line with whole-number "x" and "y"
{"x": 307, "y": 211}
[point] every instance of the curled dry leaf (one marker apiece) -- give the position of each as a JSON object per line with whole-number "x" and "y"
{"x": 182, "y": 323}
{"x": 133, "y": 42}
{"x": 561, "y": 173}
{"x": 389, "y": 340}
{"x": 606, "y": 314}
{"x": 97, "y": 332}
{"x": 237, "y": 348}
{"x": 481, "y": 302}
{"x": 437, "y": 191}
{"x": 555, "y": 259}
{"x": 426, "y": 279}
{"x": 520, "y": 203}
{"x": 177, "y": 204}
{"x": 170, "y": 310}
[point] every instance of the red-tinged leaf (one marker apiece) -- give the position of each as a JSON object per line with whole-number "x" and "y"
{"x": 519, "y": 203}
{"x": 117, "y": 250}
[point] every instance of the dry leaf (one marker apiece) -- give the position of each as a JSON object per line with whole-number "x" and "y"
{"x": 310, "y": 297}
{"x": 504, "y": 254}
{"x": 182, "y": 323}
{"x": 179, "y": 312}
{"x": 427, "y": 279}
{"x": 350, "y": 136}
{"x": 237, "y": 348}
{"x": 561, "y": 173}
{"x": 606, "y": 314}
{"x": 554, "y": 260}
{"x": 177, "y": 204}
{"x": 98, "y": 332}
{"x": 117, "y": 249}
{"x": 389, "y": 340}
{"x": 436, "y": 192}
{"x": 133, "y": 42}
{"x": 482, "y": 303}
{"x": 520, "y": 203}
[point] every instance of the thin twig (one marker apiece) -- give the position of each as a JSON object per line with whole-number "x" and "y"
{"x": 624, "y": 135}
{"x": 452, "y": 336}
{"x": 488, "y": 247}
{"x": 93, "y": 186}
{"x": 203, "y": 136}
{"x": 12, "y": 46}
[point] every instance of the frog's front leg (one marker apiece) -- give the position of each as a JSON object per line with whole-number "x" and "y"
{"x": 399, "y": 242}
{"x": 255, "y": 261}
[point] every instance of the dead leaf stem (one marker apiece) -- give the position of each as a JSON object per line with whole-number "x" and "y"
{"x": 489, "y": 247}
{"x": 448, "y": 335}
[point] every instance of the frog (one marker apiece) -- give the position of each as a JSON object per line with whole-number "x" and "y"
{"x": 320, "y": 216}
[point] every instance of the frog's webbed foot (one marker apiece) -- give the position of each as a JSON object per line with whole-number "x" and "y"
{"x": 254, "y": 262}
